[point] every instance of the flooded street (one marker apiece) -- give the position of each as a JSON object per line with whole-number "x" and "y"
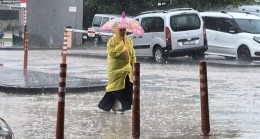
{"x": 170, "y": 102}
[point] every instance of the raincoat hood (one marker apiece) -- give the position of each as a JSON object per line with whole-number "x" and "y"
{"x": 117, "y": 33}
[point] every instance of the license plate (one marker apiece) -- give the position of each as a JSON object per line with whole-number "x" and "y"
{"x": 188, "y": 42}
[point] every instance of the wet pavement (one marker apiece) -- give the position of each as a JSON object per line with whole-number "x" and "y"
{"x": 38, "y": 78}
{"x": 170, "y": 100}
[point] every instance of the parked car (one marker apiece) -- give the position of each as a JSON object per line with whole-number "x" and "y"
{"x": 172, "y": 33}
{"x": 5, "y": 130}
{"x": 252, "y": 9}
{"x": 233, "y": 35}
{"x": 98, "y": 21}
{"x": 2, "y": 33}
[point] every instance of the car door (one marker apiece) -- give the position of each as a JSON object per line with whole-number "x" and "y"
{"x": 227, "y": 37}
{"x": 105, "y": 37}
{"x": 144, "y": 48}
{"x": 212, "y": 30}
{"x": 135, "y": 39}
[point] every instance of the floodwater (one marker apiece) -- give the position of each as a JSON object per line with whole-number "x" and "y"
{"x": 170, "y": 105}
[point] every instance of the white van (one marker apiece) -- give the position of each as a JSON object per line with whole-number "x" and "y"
{"x": 252, "y": 9}
{"x": 98, "y": 21}
{"x": 172, "y": 33}
{"x": 233, "y": 35}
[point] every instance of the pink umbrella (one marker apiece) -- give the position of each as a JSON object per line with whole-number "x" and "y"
{"x": 129, "y": 24}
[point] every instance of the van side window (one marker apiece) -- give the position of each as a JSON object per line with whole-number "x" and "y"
{"x": 146, "y": 23}
{"x": 97, "y": 21}
{"x": 226, "y": 25}
{"x": 158, "y": 24}
{"x": 153, "y": 24}
{"x": 212, "y": 23}
{"x": 105, "y": 19}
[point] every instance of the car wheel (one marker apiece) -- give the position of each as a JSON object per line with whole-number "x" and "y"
{"x": 198, "y": 56}
{"x": 230, "y": 58}
{"x": 97, "y": 40}
{"x": 243, "y": 54}
{"x": 159, "y": 55}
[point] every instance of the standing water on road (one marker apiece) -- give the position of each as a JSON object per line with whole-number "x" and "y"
{"x": 170, "y": 102}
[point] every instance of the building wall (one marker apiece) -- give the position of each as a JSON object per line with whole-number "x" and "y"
{"x": 46, "y": 20}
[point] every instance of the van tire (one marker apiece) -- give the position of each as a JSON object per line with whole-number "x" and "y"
{"x": 159, "y": 55}
{"x": 243, "y": 54}
{"x": 97, "y": 40}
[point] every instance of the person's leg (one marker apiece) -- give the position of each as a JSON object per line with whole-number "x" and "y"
{"x": 107, "y": 102}
{"x": 125, "y": 96}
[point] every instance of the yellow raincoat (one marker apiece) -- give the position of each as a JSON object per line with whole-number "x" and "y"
{"x": 119, "y": 64}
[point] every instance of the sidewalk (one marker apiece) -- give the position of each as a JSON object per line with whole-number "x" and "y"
{"x": 13, "y": 79}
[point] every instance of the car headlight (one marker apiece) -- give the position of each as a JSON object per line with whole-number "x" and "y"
{"x": 257, "y": 39}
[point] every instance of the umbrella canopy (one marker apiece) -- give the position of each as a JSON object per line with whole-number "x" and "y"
{"x": 129, "y": 24}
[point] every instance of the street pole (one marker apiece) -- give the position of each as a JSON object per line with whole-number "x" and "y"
{"x": 136, "y": 102}
{"x": 61, "y": 102}
{"x": 205, "y": 125}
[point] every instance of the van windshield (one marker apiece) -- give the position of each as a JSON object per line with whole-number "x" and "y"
{"x": 97, "y": 21}
{"x": 249, "y": 25}
{"x": 185, "y": 22}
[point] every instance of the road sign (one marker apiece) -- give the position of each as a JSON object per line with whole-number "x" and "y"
{"x": 23, "y": 3}
{"x": 91, "y": 32}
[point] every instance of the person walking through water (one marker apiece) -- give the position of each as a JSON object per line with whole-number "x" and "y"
{"x": 120, "y": 59}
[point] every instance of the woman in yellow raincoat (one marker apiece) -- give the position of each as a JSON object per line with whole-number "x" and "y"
{"x": 120, "y": 58}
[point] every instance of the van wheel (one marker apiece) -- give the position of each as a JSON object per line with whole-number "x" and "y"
{"x": 243, "y": 54}
{"x": 97, "y": 40}
{"x": 159, "y": 55}
{"x": 198, "y": 56}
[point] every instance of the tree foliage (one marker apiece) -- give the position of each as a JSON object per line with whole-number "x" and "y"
{"x": 134, "y": 7}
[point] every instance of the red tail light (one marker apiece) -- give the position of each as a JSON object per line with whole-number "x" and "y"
{"x": 204, "y": 32}
{"x": 168, "y": 35}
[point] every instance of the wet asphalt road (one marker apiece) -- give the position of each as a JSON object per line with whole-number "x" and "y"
{"x": 170, "y": 101}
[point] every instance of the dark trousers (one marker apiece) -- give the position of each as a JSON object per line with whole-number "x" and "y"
{"x": 124, "y": 96}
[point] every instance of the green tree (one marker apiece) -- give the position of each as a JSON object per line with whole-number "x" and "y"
{"x": 134, "y": 7}
{"x": 131, "y": 7}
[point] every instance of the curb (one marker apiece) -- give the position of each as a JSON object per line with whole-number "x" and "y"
{"x": 88, "y": 55}
{"x": 49, "y": 90}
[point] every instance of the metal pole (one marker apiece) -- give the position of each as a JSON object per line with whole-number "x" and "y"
{"x": 64, "y": 48}
{"x": 205, "y": 125}
{"x": 136, "y": 102}
{"x": 25, "y": 51}
{"x": 61, "y": 102}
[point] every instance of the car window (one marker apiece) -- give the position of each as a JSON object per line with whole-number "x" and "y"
{"x": 185, "y": 22}
{"x": 212, "y": 23}
{"x": 97, "y": 21}
{"x": 1, "y": 32}
{"x": 226, "y": 25}
{"x": 249, "y": 25}
{"x": 105, "y": 19}
{"x": 158, "y": 24}
{"x": 153, "y": 24}
{"x": 146, "y": 23}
